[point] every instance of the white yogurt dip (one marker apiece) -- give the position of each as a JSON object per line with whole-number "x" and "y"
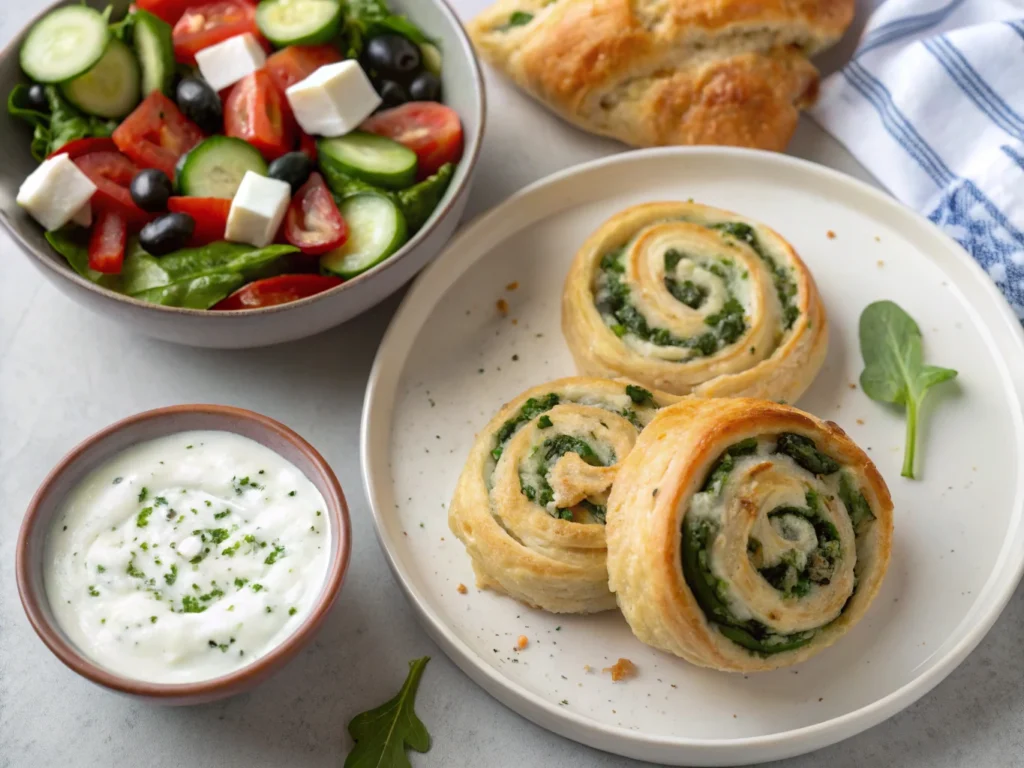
{"x": 187, "y": 557}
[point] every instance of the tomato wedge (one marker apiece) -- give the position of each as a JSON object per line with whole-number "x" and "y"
{"x": 206, "y": 24}
{"x": 78, "y": 147}
{"x": 107, "y": 242}
{"x": 297, "y": 62}
{"x": 254, "y": 112}
{"x": 313, "y": 223}
{"x": 431, "y": 130}
{"x": 168, "y": 10}
{"x": 277, "y": 290}
{"x": 112, "y": 174}
{"x": 209, "y": 213}
{"x": 156, "y": 134}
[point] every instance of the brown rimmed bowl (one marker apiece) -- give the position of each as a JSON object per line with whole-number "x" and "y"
{"x": 463, "y": 91}
{"x": 109, "y": 442}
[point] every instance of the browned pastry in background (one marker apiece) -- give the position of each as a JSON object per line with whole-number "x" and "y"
{"x": 655, "y": 72}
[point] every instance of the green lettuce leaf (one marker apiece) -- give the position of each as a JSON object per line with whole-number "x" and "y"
{"x": 73, "y": 244}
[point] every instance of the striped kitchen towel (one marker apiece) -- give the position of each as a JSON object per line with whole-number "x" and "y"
{"x": 932, "y": 104}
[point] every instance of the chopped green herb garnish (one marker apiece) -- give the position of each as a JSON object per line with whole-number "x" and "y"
{"x": 143, "y": 494}
{"x": 142, "y": 519}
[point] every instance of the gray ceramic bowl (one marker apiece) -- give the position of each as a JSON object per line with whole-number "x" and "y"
{"x": 150, "y": 425}
{"x": 463, "y": 92}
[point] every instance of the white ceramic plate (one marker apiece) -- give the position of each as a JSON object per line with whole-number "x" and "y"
{"x": 450, "y": 359}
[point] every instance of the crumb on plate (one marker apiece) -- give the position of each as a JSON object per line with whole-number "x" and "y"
{"x": 461, "y": 589}
{"x": 502, "y": 306}
{"x": 623, "y": 669}
{"x": 831, "y": 235}
{"x": 512, "y": 286}
{"x": 522, "y": 642}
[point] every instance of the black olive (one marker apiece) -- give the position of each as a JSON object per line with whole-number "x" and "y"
{"x": 392, "y": 94}
{"x": 393, "y": 55}
{"x": 37, "y": 98}
{"x": 293, "y": 168}
{"x": 200, "y": 104}
{"x": 426, "y": 86}
{"x": 150, "y": 189}
{"x": 167, "y": 233}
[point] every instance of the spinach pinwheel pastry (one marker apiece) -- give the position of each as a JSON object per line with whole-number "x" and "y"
{"x": 530, "y": 504}
{"x": 690, "y": 299}
{"x": 744, "y": 535}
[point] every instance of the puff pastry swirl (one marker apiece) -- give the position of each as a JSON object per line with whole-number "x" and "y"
{"x": 745, "y": 535}
{"x": 654, "y": 72}
{"x": 530, "y": 504}
{"x": 691, "y": 299}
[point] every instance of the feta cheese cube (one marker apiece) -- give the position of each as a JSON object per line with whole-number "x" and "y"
{"x": 257, "y": 210}
{"x": 229, "y": 61}
{"x": 333, "y": 100}
{"x": 55, "y": 191}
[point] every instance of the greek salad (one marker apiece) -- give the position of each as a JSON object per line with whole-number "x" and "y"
{"x": 228, "y": 154}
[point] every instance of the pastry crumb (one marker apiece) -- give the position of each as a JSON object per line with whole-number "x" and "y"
{"x": 587, "y": 668}
{"x": 461, "y": 589}
{"x": 851, "y": 385}
{"x": 831, "y": 235}
{"x": 878, "y": 239}
{"x": 522, "y": 642}
{"x": 502, "y": 306}
{"x": 881, "y": 263}
{"x": 515, "y": 321}
{"x": 512, "y": 286}
{"x": 623, "y": 669}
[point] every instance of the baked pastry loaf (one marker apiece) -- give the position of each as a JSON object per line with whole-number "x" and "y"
{"x": 745, "y": 535}
{"x": 653, "y": 72}
{"x": 530, "y": 504}
{"x": 690, "y": 299}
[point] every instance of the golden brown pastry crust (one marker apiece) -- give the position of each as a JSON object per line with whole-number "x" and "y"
{"x": 654, "y": 72}
{"x": 654, "y": 495}
{"x": 520, "y": 547}
{"x": 768, "y": 360}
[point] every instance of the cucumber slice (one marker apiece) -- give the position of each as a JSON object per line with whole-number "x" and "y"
{"x": 370, "y": 158}
{"x": 298, "y": 22}
{"x": 215, "y": 168}
{"x": 155, "y": 49}
{"x": 64, "y": 44}
{"x": 376, "y": 229}
{"x": 111, "y": 88}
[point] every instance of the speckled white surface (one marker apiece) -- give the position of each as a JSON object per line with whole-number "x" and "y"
{"x": 65, "y": 373}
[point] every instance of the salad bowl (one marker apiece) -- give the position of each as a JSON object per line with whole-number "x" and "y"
{"x": 462, "y": 88}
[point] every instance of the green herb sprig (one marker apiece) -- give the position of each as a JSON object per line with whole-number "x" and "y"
{"x": 381, "y": 735}
{"x": 894, "y": 369}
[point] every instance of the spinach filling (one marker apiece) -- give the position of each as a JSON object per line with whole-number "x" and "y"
{"x": 727, "y": 325}
{"x": 531, "y": 408}
{"x": 795, "y": 574}
{"x": 544, "y": 457}
{"x": 785, "y": 287}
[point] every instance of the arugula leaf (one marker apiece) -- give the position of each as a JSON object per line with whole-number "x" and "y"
{"x": 64, "y": 123}
{"x": 365, "y": 19}
{"x": 894, "y": 370}
{"x": 73, "y": 244}
{"x": 382, "y": 734}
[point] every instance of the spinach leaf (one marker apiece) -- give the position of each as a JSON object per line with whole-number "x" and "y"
{"x": 73, "y": 244}
{"x": 639, "y": 395}
{"x": 419, "y": 201}
{"x": 142, "y": 272}
{"x": 805, "y": 453}
{"x": 894, "y": 370}
{"x": 382, "y": 734}
{"x": 342, "y": 185}
{"x": 194, "y": 292}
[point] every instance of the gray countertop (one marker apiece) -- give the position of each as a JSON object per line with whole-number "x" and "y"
{"x": 65, "y": 373}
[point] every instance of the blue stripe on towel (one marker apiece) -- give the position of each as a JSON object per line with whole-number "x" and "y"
{"x": 975, "y": 87}
{"x": 1013, "y": 154}
{"x": 897, "y": 125}
{"x": 964, "y": 211}
{"x": 905, "y": 27}
{"x": 1018, "y": 27}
